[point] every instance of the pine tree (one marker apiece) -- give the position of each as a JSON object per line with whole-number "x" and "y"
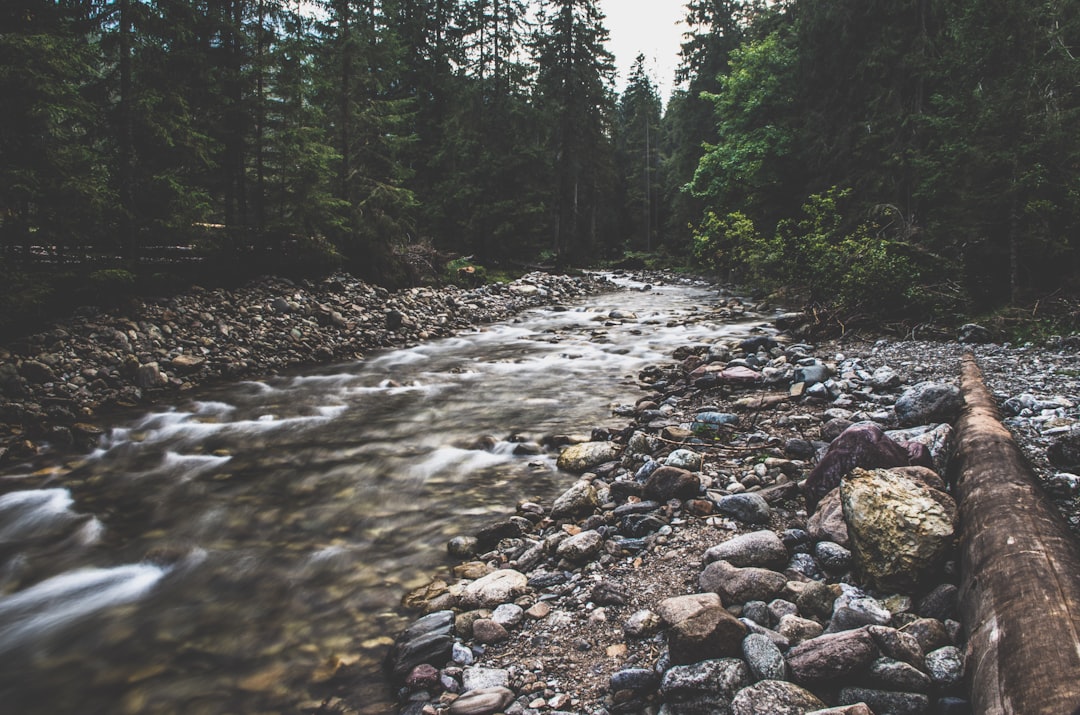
{"x": 575, "y": 73}
{"x": 638, "y": 136}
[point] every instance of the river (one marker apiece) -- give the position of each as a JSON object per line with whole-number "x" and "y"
{"x": 229, "y": 553}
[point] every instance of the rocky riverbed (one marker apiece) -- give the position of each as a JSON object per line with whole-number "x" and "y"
{"x": 55, "y": 385}
{"x": 682, "y": 573}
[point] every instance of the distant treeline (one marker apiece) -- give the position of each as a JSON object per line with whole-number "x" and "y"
{"x": 894, "y": 157}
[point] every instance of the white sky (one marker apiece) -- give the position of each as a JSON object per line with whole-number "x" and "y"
{"x": 652, "y": 27}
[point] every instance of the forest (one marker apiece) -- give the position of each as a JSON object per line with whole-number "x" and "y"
{"x": 891, "y": 159}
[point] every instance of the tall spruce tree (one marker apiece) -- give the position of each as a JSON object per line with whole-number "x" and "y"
{"x": 575, "y": 74}
{"x": 638, "y": 154}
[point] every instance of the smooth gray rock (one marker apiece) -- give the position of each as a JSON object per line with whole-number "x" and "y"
{"x": 483, "y": 678}
{"x": 929, "y": 402}
{"x": 748, "y": 508}
{"x": 758, "y": 548}
{"x": 764, "y": 658}
{"x": 482, "y": 702}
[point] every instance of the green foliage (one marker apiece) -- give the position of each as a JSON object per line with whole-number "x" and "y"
{"x": 464, "y": 273}
{"x": 729, "y": 244}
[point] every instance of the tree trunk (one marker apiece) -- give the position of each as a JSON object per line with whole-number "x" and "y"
{"x": 1020, "y": 594}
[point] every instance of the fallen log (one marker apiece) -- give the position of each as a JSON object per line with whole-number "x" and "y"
{"x": 1020, "y": 566}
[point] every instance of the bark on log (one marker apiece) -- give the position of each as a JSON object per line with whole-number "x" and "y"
{"x": 1020, "y": 566}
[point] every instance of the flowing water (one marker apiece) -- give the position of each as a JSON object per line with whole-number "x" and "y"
{"x": 226, "y": 554}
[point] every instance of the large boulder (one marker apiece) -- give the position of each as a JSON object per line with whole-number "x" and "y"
{"x": 863, "y": 445}
{"x": 900, "y": 529}
{"x": 579, "y": 458}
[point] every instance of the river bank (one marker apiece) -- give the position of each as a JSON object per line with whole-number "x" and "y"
{"x": 56, "y": 383}
{"x": 571, "y": 639}
{"x": 711, "y": 589}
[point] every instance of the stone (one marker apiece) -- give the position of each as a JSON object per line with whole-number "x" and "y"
{"x": 423, "y": 677}
{"x": 581, "y": 547}
{"x": 684, "y": 459}
{"x": 763, "y": 657}
{"x": 797, "y": 629}
{"x": 716, "y": 679}
{"x": 930, "y": 633}
{"x": 861, "y": 445}
{"x": 37, "y": 372}
{"x": 945, "y": 666}
{"x": 700, "y": 628}
{"x": 940, "y": 603}
{"x": 462, "y": 654}
{"x": 579, "y": 458}
{"x": 738, "y": 585}
{"x": 897, "y": 645}
{"x": 812, "y": 374}
{"x": 827, "y": 522}
{"x": 187, "y": 363}
{"x": 462, "y": 547}
{"x": 639, "y": 680}
{"x": 477, "y": 678}
{"x": 763, "y": 549}
{"x": 578, "y": 500}
{"x": 816, "y": 600}
{"x": 483, "y": 701}
{"x": 854, "y": 609}
{"x": 774, "y": 697}
{"x": 710, "y": 421}
{"x": 886, "y": 702}
{"x": 936, "y": 439}
{"x": 834, "y": 558}
{"x": 758, "y": 343}
{"x": 892, "y": 674}
{"x": 607, "y": 593}
{"x": 928, "y": 402}
{"x": 747, "y": 508}
{"x": 672, "y": 483}
{"x": 856, "y": 709}
{"x": 803, "y": 564}
{"x": 973, "y": 333}
{"x": 495, "y": 589}
{"x": 643, "y": 624}
{"x": 832, "y": 657}
{"x": 885, "y": 378}
{"x": 428, "y": 640}
{"x": 149, "y": 375}
{"x": 834, "y": 428}
{"x": 1064, "y": 451}
{"x": 488, "y": 537}
{"x": 900, "y": 529}
{"x": 508, "y": 615}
